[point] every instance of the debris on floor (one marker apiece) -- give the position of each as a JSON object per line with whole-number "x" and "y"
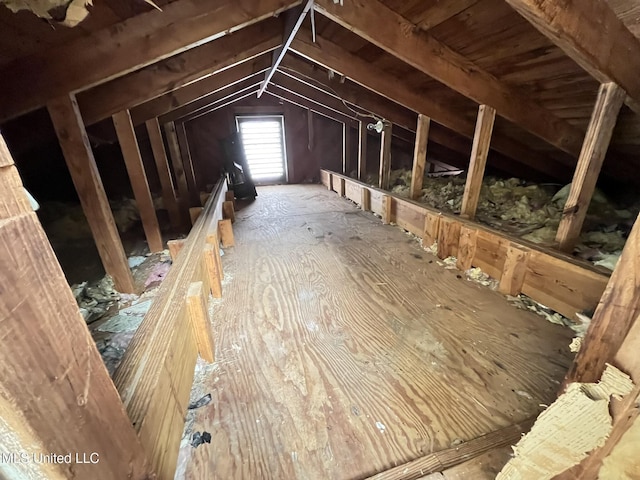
{"x": 563, "y": 435}
{"x": 201, "y": 402}
{"x": 529, "y": 211}
{"x": 199, "y": 438}
{"x": 95, "y": 300}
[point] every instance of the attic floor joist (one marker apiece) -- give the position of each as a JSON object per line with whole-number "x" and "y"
{"x": 341, "y": 348}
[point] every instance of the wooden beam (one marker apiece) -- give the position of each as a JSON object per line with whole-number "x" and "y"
{"x": 225, "y": 229}
{"x": 439, "y": 461}
{"x": 387, "y": 201}
{"x": 592, "y": 35}
{"x": 178, "y": 170}
{"x": 228, "y": 212}
{"x": 439, "y": 12}
{"x": 615, "y": 314}
{"x": 479, "y": 152}
{"x": 190, "y": 175}
{"x": 197, "y": 305}
{"x": 293, "y": 22}
{"x": 174, "y": 72}
{"x": 466, "y": 248}
{"x": 162, "y": 164}
{"x": 365, "y": 199}
{"x": 386, "y": 29}
{"x": 57, "y": 396}
{"x": 72, "y": 136}
{"x": 362, "y": 150}
{"x": 138, "y": 178}
{"x": 31, "y": 81}
{"x": 385, "y": 157}
{"x": 514, "y": 271}
{"x": 419, "y": 156}
{"x": 594, "y": 149}
{"x": 226, "y": 101}
{"x": 336, "y": 58}
{"x": 214, "y": 274}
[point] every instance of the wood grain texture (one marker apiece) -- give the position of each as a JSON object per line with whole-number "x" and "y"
{"x": 386, "y": 209}
{"x": 178, "y": 170}
{"x": 187, "y": 162}
{"x": 383, "y": 27}
{"x": 194, "y": 213}
{"x": 419, "y": 156}
{"x": 162, "y": 165}
{"x": 342, "y": 352}
{"x": 226, "y": 233}
{"x": 175, "y": 247}
{"x": 55, "y": 394}
{"x": 78, "y": 155}
{"x": 365, "y": 199}
{"x": 448, "y": 237}
{"x": 112, "y": 52}
{"x": 478, "y": 162}
{"x": 466, "y": 248}
{"x": 594, "y": 149}
{"x": 156, "y": 374}
{"x": 138, "y": 178}
{"x": 514, "y": 271}
{"x": 228, "y": 212}
{"x": 198, "y": 308}
{"x": 554, "y": 279}
{"x": 214, "y": 274}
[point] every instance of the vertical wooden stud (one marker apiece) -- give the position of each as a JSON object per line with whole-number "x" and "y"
{"x": 478, "y": 162}
{"x": 594, "y": 148}
{"x": 448, "y": 237}
{"x": 226, "y": 233}
{"x": 431, "y": 229}
{"x": 175, "y": 246}
{"x": 365, "y": 202}
{"x": 341, "y": 187}
{"x": 385, "y": 157}
{"x": 214, "y": 241}
{"x": 386, "y": 209}
{"x": 330, "y": 185}
{"x": 466, "y": 248}
{"x": 194, "y": 214}
{"x": 346, "y": 149}
{"x": 183, "y": 142}
{"x": 362, "y": 151}
{"x": 178, "y": 170}
{"x": 514, "y": 271}
{"x": 199, "y": 319}
{"x": 71, "y": 133}
{"x": 419, "y": 156}
{"x": 138, "y": 178}
{"x": 228, "y": 211}
{"x": 162, "y": 165}
{"x": 213, "y": 272}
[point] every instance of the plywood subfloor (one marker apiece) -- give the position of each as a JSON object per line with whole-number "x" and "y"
{"x": 344, "y": 349}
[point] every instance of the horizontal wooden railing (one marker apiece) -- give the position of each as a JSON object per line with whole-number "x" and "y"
{"x": 553, "y": 279}
{"x": 156, "y": 374}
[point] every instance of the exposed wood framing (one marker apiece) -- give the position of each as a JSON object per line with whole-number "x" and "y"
{"x": 178, "y": 170}
{"x": 72, "y": 136}
{"x": 57, "y": 396}
{"x": 514, "y": 270}
{"x": 165, "y": 76}
{"x": 338, "y": 59}
{"x": 302, "y": 102}
{"x": 385, "y": 156}
{"x": 616, "y": 313}
{"x": 156, "y": 373}
{"x": 479, "y": 152}
{"x": 199, "y": 90}
{"x": 197, "y": 304}
{"x": 419, "y": 156}
{"x": 440, "y": 12}
{"x": 187, "y": 162}
{"x": 466, "y": 248}
{"x": 32, "y": 81}
{"x": 362, "y": 150}
{"x": 365, "y": 199}
{"x": 385, "y": 28}
{"x": 138, "y": 178}
{"x": 162, "y": 165}
{"x": 214, "y": 273}
{"x": 594, "y": 150}
{"x": 438, "y": 461}
{"x": 551, "y": 278}
{"x": 293, "y": 22}
{"x": 386, "y": 209}
{"x": 221, "y": 103}
{"x": 225, "y": 230}
{"x": 592, "y": 35}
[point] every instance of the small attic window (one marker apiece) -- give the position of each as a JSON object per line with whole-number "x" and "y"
{"x": 263, "y": 142}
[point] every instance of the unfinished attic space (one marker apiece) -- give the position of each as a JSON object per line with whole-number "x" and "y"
{"x": 329, "y": 239}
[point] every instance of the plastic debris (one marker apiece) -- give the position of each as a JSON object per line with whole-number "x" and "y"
{"x": 136, "y": 260}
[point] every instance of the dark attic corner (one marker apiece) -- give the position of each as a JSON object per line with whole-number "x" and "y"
{"x": 321, "y": 239}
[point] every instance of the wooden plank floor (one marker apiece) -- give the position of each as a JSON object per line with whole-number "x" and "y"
{"x": 344, "y": 349}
